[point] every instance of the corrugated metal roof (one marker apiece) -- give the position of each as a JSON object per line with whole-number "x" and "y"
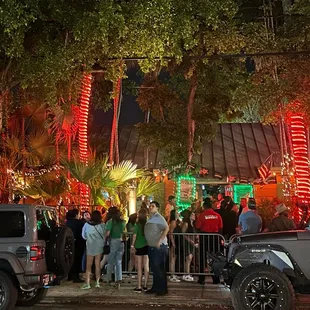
{"x": 237, "y": 149}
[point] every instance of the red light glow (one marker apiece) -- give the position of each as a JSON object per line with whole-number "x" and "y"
{"x": 83, "y": 137}
{"x": 298, "y": 135}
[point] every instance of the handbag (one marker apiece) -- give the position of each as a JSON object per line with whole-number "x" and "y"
{"x": 106, "y": 247}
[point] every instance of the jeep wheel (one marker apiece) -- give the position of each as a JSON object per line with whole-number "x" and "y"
{"x": 28, "y": 299}
{"x": 8, "y": 292}
{"x": 262, "y": 287}
{"x": 60, "y": 251}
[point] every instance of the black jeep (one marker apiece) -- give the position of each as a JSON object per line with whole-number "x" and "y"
{"x": 264, "y": 271}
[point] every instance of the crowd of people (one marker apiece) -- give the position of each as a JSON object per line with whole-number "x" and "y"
{"x": 100, "y": 240}
{"x": 176, "y": 242}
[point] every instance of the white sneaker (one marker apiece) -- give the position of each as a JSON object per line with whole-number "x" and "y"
{"x": 188, "y": 278}
{"x": 175, "y": 279}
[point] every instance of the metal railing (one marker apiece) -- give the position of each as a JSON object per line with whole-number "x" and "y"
{"x": 188, "y": 253}
{"x": 231, "y": 239}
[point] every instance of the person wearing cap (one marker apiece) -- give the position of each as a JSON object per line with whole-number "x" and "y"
{"x": 250, "y": 222}
{"x": 169, "y": 207}
{"x": 281, "y": 222}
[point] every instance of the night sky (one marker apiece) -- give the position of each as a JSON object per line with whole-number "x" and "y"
{"x": 130, "y": 110}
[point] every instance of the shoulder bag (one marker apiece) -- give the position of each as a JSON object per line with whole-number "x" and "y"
{"x": 106, "y": 247}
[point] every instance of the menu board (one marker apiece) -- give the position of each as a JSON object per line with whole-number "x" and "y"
{"x": 186, "y": 189}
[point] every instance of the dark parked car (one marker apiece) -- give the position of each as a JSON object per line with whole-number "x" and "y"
{"x": 264, "y": 271}
{"x": 35, "y": 252}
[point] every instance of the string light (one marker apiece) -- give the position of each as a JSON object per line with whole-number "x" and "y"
{"x": 299, "y": 146}
{"x": 300, "y": 153}
{"x": 83, "y": 137}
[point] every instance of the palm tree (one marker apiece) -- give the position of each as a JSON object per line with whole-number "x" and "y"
{"x": 64, "y": 125}
{"x": 36, "y": 150}
{"x": 147, "y": 186}
{"x": 46, "y": 189}
{"x": 102, "y": 178}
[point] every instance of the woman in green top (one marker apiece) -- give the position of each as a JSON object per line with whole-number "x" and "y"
{"x": 139, "y": 246}
{"x": 129, "y": 255}
{"x": 115, "y": 229}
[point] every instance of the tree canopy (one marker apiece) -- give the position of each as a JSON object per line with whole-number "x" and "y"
{"x": 47, "y": 44}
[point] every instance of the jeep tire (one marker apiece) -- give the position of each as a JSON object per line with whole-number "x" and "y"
{"x": 8, "y": 292}
{"x": 261, "y": 286}
{"x": 60, "y": 251}
{"x": 29, "y": 299}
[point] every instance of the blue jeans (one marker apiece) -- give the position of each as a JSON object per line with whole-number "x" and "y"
{"x": 158, "y": 260}
{"x": 115, "y": 259}
{"x": 84, "y": 262}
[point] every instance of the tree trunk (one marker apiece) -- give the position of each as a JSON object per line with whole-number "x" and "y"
{"x": 23, "y": 139}
{"x": 147, "y": 148}
{"x": 190, "y": 121}
{"x": 57, "y": 150}
{"x": 1, "y": 110}
{"x": 115, "y": 122}
{"x": 83, "y": 136}
{"x": 69, "y": 150}
{"x": 116, "y": 127}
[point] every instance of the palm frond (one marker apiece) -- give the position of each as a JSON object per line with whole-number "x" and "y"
{"x": 147, "y": 186}
{"x": 40, "y": 147}
{"x": 124, "y": 172}
{"x": 46, "y": 188}
{"x": 13, "y": 144}
{"x": 84, "y": 173}
{"x": 64, "y": 122}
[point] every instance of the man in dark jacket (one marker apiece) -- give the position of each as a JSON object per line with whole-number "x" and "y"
{"x": 76, "y": 226}
{"x": 281, "y": 222}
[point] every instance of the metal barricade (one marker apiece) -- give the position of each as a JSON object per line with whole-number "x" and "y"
{"x": 233, "y": 237}
{"x": 188, "y": 253}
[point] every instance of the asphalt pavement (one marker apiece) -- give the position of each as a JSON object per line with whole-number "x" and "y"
{"x": 182, "y": 296}
{"x": 115, "y": 307}
{"x": 94, "y": 307}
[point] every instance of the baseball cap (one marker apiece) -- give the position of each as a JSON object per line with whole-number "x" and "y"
{"x": 252, "y": 204}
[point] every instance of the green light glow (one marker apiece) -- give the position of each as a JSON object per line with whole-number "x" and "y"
{"x": 241, "y": 191}
{"x": 185, "y": 202}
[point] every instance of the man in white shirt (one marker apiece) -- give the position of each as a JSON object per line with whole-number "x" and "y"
{"x": 155, "y": 231}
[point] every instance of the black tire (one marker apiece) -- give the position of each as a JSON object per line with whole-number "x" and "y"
{"x": 60, "y": 251}
{"x": 29, "y": 299}
{"x": 262, "y": 284}
{"x": 8, "y": 292}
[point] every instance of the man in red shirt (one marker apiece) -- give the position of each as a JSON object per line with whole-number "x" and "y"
{"x": 208, "y": 222}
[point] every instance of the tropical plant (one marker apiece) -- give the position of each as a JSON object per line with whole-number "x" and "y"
{"x": 102, "y": 178}
{"x": 46, "y": 189}
{"x": 38, "y": 150}
{"x": 147, "y": 186}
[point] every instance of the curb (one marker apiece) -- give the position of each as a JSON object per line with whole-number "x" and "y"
{"x": 172, "y": 301}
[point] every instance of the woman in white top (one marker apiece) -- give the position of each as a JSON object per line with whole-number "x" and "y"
{"x": 93, "y": 232}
